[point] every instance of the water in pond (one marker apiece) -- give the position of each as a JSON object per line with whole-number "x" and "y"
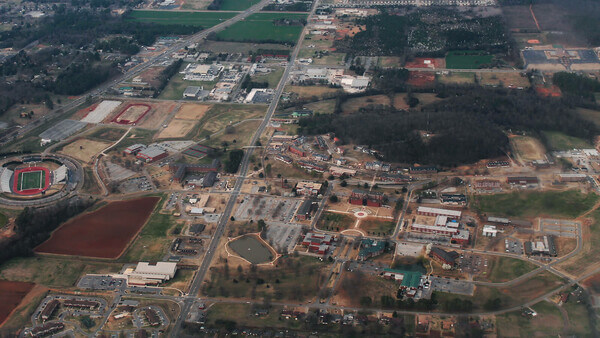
{"x": 251, "y": 249}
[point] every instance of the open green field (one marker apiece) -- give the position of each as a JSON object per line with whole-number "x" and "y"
{"x": 243, "y": 315}
{"x": 377, "y": 227}
{"x": 568, "y": 204}
{"x": 547, "y": 323}
{"x": 590, "y": 115}
{"x": 3, "y": 220}
{"x": 295, "y": 278}
{"x": 335, "y": 222}
{"x": 31, "y": 180}
{"x": 271, "y": 78}
{"x": 152, "y": 242}
{"x": 260, "y": 27}
{"x": 177, "y": 85}
{"x": 560, "y": 141}
{"x": 50, "y": 271}
{"x": 200, "y": 19}
{"x": 221, "y": 115}
{"x": 237, "y": 5}
{"x": 467, "y": 59}
{"x": 578, "y": 318}
{"x": 504, "y": 269}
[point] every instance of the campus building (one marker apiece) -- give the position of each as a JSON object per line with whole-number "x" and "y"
{"x": 443, "y": 256}
{"x": 151, "y": 273}
{"x": 151, "y": 154}
{"x": 306, "y": 188}
{"x": 318, "y": 243}
{"x": 368, "y": 198}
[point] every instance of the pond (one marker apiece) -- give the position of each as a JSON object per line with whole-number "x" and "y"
{"x": 251, "y": 249}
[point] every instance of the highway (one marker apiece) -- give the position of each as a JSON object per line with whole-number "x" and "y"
{"x": 100, "y": 90}
{"x": 201, "y": 274}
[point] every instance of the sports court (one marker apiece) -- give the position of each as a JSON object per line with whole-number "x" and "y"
{"x": 31, "y": 181}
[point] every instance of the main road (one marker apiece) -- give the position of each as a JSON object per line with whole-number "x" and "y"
{"x": 243, "y": 170}
{"x": 103, "y": 88}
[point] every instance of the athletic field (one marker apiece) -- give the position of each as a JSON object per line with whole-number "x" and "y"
{"x": 31, "y": 180}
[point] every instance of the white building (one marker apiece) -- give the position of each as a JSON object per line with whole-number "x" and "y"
{"x": 490, "y": 230}
{"x": 151, "y": 273}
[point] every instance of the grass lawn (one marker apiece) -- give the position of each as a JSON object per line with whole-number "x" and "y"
{"x": 260, "y": 27}
{"x": 377, "y": 227}
{"x": 578, "y": 318}
{"x": 237, "y": 5}
{"x": 548, "y": 322}
{"x": 560, "y": 141}
{"x": 334, "y": 221}
{"x": 200, "y": 19}
{"x": 503, "y": 269}
{"x": 107, "y": 134}
{"x": 31, "y": 180}
{"x": 239, "y": 136}
{"x": 467, "y": 59}
{"x": 221, "y": 115}
{"x": 3, "y": 220}
{"x": 177, "y": 85}
{"x": 590, "y": 115}
{"x": 456, "y": 78}
{"x": 568, "y": 204}
{"x": 243, "y": 315}
{"x": 152, "y": 242}
{"x": 51, "y": 271}
{"x": 271, "y": 78}
{"x": 293, "y": 278}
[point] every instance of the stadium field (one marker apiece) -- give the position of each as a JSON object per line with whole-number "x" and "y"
{"x": 261, "y": 27}
{"x": 200, "y": 19}
{"x": 31, "y": 180}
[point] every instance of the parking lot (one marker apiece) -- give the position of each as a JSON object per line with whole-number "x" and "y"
{"x": 284, "y": 236}
{"x": 268, "y": 208}
{"x": 135, "y": 184}
{"x": 513, "y": 246}
{"x": 472, "y": 264}
{"x": 445, "y": 284}
{"x": 559, "y": 227}
{"x": 96, "y": 282}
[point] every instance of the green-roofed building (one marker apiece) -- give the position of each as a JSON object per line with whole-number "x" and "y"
{"x": 370, "y": 248}
{"x": 409, "y": 279}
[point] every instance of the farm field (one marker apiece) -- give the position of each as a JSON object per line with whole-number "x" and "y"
{"x": 260, "y": 27}
{"x": 560, "y": 141}
{"x": 84, "y": 149}
{"x": 200, "y": 19}
{"x": 468, "y": 59}
{"x": 11, "y": 295}
{"x": 569, "y": 204}
{"x": 528, "y": 148}
{"x": 103, "y": 233}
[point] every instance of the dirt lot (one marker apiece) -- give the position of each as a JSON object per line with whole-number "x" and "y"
{"x": 421, "y": 79}
{"x": 11, "y": 295}
{"x": 177, "y": 128}
{"x": 426, "y": 63}
{"x": 104, "y": 233}
{"x": 528, "y": 148}
{"x": 151, "y": 75}
{"x": 192, "y": 111}
{"x": 508, "y": 80}
{"x": 84, "y": 149}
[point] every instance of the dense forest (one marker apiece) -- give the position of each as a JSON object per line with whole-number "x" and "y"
{"x": 34, "y": 225}
{"x": 577, "y": 85}
{"x": 468, "y": 126}
{"x": 432, "y": 32}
